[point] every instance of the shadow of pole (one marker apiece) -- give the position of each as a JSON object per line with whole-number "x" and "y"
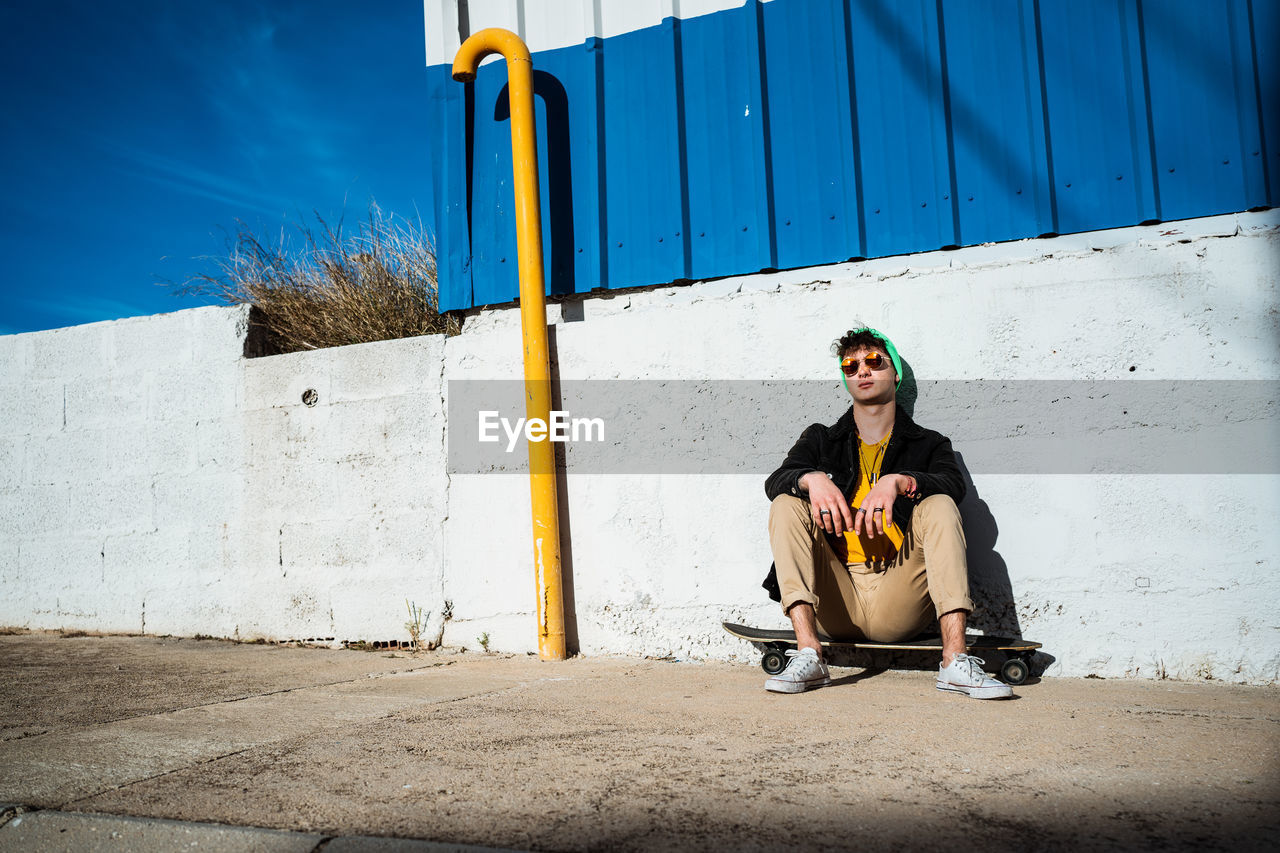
{"x": 562, "y": 507}
{"x": 559, "y": 183}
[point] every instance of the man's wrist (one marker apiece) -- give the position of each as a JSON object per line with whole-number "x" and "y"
{"x": 800, "y": 481}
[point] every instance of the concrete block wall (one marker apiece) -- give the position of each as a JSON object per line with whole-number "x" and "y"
{"x": 345, "y": 499}
{"x": 112, "y": 510}
{"x": 156, "y": 481}
{"x": 150, "y": 472}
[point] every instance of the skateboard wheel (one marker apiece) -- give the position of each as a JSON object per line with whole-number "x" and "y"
{"x": 773, "y": 662}
{"x": 1015, "y": 671}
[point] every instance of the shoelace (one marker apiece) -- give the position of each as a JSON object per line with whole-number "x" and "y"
{"x": 974, "y": 666}
{"x": 795, "y": 653}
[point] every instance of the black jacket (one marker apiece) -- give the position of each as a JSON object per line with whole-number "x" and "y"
{"x": 921, "y": 453}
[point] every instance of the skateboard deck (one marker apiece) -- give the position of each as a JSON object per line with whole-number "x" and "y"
{"x": 773, "y": 642}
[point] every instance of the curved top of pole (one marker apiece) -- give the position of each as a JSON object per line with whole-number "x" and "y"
{"x": 483, "y": 43}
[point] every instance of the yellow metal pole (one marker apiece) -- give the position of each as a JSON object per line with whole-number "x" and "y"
{"x": 533, "y": 319}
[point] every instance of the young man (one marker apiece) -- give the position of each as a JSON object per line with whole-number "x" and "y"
{"x": 866, "y": 537}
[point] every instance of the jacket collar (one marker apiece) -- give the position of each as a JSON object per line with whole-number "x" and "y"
{"x": 903, "y": 426}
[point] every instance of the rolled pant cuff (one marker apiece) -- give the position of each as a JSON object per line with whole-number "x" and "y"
{"x": 949, "y": 604}
{"x": 789, "y": 601}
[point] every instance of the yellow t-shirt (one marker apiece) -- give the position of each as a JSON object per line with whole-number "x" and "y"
{"x": 877, "y": 552}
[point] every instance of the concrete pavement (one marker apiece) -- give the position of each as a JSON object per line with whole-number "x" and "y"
{"x": 141, "y": 743}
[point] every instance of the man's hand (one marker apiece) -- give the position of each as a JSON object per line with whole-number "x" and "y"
{"x": 876, "y": 509}
{"x": 827, "y": 503}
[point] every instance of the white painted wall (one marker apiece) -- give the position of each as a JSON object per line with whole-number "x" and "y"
{"x": 147, "y": 470}
{"x": 550, "y": 24}
{"x": 116, "y": 473}
{"x": 658, "y": 562}
{"x": 155, "y": 481}
{"x": 344, "y": 501}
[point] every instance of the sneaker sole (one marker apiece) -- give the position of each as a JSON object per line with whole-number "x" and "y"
{"x": 794, "y": 686}
{"x": 1004, "y": 691}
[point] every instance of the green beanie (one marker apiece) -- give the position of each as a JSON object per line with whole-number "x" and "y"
{"x": 888, "y": 345}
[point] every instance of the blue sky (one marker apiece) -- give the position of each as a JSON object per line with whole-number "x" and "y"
{"x": 136, "y": 134}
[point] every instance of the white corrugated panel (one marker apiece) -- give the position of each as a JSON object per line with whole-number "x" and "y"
{"x": 550, "y": 24}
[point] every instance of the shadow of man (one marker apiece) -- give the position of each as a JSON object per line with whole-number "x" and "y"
{"x": 995, "y": 611}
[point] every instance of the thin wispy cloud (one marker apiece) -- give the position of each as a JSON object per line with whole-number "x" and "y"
{"x": 134, "y": 132}
{"x": 195, "y": 180}
{"x": 263, "y": 95}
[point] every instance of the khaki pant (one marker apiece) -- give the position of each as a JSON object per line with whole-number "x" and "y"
{"x": 929, "y": 577}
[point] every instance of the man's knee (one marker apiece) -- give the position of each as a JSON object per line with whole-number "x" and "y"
{"x": 788, "y": 507}
{"x": 937, "y": 508}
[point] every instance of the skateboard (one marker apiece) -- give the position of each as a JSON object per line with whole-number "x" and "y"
{"x": 774, "y": 642}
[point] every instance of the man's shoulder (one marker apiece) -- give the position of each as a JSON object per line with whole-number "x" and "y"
{"x": 815, "y": 434}
{"x": 912, "y": 431}
{"x": 841, "y": 428}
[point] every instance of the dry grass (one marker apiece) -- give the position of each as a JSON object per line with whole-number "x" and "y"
{"x": 375, "y": 284}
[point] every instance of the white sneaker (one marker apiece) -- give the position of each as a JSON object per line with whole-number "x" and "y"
{"x": 804, "y": 671}
{"x": 965, "y": 676}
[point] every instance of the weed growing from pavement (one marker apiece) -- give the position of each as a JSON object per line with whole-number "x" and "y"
{"x": 483, "y": 640}
{"x": 417, "y": 621}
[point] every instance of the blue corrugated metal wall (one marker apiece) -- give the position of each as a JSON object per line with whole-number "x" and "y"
{"x": 802, "y": 132}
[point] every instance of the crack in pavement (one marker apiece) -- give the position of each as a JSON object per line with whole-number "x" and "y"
{"x": 227, "y": 701}
{"x": 87, "y": 761}
{"x": 109, "y": 789}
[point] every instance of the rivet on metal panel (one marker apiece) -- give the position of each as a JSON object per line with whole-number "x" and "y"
{"x": 1068, "y": 186}
{"x": 659, "y": 239}
{"x": 1119, "y": 177}
{"x": 1226, "y": 162}
{"x": 1171, "y": 171}
{"x": 744, "y": 228}
{"x": 924, "y": 204}
{"x": 619, "y": 245}
{"x": 788, "y": 222}
{"x": 832, "y": 216}
{"x": 970, "y": 198}
{"x": 702, "y": 233}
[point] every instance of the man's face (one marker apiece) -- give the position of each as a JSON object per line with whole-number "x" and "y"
{"x": 867, "y": 385}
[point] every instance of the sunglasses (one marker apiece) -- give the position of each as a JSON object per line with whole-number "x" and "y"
{"x": 873, "y": 360}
